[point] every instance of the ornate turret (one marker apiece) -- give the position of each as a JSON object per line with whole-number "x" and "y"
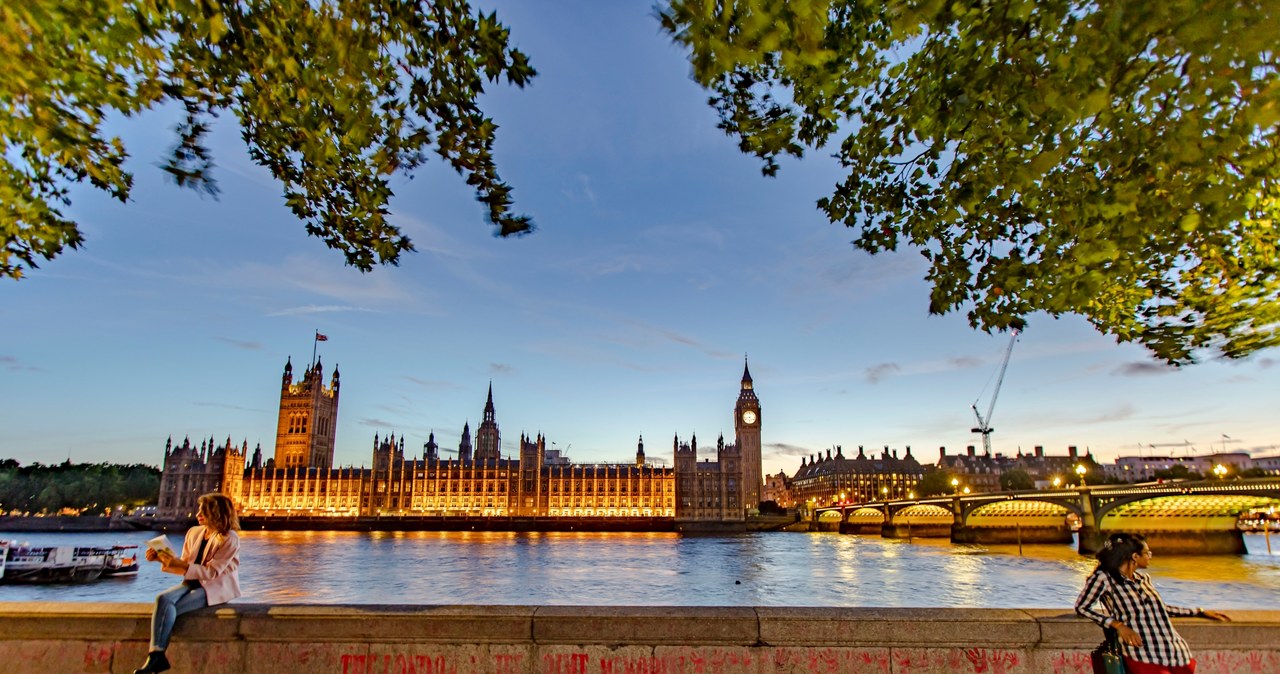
{"x": 430, "y": 450}
{"x": 308, "y": 422}
{"x": 488, "y": 438}
{"x": 464, "y": 445}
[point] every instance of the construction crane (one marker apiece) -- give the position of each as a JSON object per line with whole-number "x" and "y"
{"x": 984, "y": 423}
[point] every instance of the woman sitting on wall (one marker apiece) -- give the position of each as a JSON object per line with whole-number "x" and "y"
{"x": 208, "y": 564}
{"x": 1135, "y": 610}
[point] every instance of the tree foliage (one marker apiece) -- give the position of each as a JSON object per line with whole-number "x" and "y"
{"x": 935, "y": 482}
{"x": 1177, "y": 472}
{"x": 1115, "y": 160}
{"x": 333, "y": 97}
{"x": 89, "y": 487}
{"x": 1016, "y": 479}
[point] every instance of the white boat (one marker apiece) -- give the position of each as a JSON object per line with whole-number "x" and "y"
{"x": 25, "y": 563}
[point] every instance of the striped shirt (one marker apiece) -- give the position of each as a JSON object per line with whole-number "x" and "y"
{"x": 1137, "y": 604}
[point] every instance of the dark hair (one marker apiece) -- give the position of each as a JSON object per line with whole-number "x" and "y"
{"x": 1119, "y": 549}
{"x": 219, "y": 512}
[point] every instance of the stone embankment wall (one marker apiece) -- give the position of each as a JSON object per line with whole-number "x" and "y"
{"x": 243, "y": 638}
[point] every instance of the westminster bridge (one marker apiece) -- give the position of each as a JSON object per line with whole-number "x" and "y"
{"x": 1176, "y": 518}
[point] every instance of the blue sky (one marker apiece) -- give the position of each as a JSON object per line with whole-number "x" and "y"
{"x": 662, "y": 257}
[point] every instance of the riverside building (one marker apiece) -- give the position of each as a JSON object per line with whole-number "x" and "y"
{"x": 833, "y": 479}
{"x": 300, "y": 480}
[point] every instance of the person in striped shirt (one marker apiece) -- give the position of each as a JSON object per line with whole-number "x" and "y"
{"x": 1135, "y": 610}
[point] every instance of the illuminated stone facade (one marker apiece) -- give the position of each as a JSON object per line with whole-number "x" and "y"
{"x": 308, "y": 422}
{"x": 536, "y": 483}
{"x": 823, "y": 481}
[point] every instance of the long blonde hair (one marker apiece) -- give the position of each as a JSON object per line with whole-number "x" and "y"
{"x": 219, "y": 512}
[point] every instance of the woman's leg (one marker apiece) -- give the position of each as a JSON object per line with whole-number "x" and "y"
{"x": 170, "y": 604}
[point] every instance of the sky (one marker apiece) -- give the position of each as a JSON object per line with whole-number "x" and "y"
{"x": 662, "y": 259}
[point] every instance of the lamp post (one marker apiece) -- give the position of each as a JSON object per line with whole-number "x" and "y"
{"x": 1081, "y": 470}
{"x": 1057, "y": 482}
{"x": 955, "y": 485}
{"x": 1220, "y": 470}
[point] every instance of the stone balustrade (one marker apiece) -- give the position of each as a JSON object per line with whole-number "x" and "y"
{"x": 66, "y": 638}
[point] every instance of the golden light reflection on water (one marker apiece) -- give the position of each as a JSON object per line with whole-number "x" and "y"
{"x": 771, "y": 569}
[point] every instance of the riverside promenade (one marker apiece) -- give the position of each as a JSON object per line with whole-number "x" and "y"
{"x": 69, "y": 638}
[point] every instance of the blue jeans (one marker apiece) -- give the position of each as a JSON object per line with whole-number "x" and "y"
{"x": 170, "y": 604}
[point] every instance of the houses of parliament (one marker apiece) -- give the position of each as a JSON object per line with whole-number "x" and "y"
{"x": 301, "y": 480}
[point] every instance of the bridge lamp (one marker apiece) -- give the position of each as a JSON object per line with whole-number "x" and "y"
{"x": 965, "y": 490}
{"x": 911, "y": 494}
{"x": 1220, "y": 470}
{"x": 955, "y": 484}
{"x": 1081, "y": 470}
{"x": 1057, "y": 481}
{"x": 885, "y": 491}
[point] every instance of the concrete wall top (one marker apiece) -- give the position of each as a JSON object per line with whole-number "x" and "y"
{"x": 607, "y": 625}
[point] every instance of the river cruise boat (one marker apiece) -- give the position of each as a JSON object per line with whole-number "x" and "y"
{"x": 24, "y": 563}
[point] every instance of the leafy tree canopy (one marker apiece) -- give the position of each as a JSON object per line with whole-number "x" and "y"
{"x": 332, "y": 97}
{"x": 1016, "y": 479}
{"x": 1115, "y": 160}
{"x": 88, "y": 487}
{"x": 935, "y": 481}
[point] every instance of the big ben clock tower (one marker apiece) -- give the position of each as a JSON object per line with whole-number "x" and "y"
{"x": 746, "y": 421}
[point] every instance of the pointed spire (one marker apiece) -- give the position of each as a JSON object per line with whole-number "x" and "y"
{"x": 746, "y": 373}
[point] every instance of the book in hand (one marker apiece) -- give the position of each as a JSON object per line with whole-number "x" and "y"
{"x": 161, "y": 545}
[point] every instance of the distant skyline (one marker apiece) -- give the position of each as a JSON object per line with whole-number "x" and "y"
{"x": 662, "y": 258}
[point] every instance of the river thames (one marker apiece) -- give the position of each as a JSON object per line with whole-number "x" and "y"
{"x": 663, "y": 569}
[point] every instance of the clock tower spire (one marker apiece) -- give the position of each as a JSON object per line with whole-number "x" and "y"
{"x": 746, "y": 421}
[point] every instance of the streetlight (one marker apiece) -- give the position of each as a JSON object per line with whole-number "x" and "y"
{"x": 1057, "y": 481}
{"x": 911, "y": 494}
{"x": 1081, "y": 470}
{"x": 966, "y": 490}
{"x": 885, "y": 492}
{"x": 1220, "y": 470}
{"x": 955, "y": 484}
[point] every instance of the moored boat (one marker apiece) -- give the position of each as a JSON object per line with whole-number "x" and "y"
{"x": 24, "y": 563}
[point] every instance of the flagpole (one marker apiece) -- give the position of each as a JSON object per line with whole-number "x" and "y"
{"x": 315, "y": 340}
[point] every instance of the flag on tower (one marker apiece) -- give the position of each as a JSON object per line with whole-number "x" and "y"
{"x": 321, "y": 338}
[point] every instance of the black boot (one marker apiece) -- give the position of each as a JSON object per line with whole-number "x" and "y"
{"x": 156, "y": 662}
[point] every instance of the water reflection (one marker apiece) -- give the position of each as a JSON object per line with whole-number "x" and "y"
{"x": 775, "y": 569}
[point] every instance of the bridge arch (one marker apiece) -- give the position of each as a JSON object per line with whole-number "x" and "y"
{"x": 1038, "y": 505}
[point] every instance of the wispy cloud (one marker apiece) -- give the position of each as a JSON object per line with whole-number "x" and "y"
{"x": 582, "y": 191}
{"x": 877, "y": 372}
{"x": 501, "y": 369}
{"x": 317, "y": 309}
{"x": 782, "y": 450}
{"x": 965, "y": 362}
{"x": 10, "y": 363}
{"x": 250, "y": 346}
{"x": 617, "y": 265}
{"x": 435, "y": 384}
{"x": 227, "y": 406}
{"x": 1142, "y": 368}
{"x": 376, "y": 423}
{"x": 645, "y": 335}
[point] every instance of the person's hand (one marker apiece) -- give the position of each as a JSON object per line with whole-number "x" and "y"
{"x": 1215, "y": 615}
{"x": 165, "y": 557}
{"x": 151, "y": 555}
{"x": 1127, "y": 635}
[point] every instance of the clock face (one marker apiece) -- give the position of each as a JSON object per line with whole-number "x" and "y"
{"x": 748, "y": 417}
